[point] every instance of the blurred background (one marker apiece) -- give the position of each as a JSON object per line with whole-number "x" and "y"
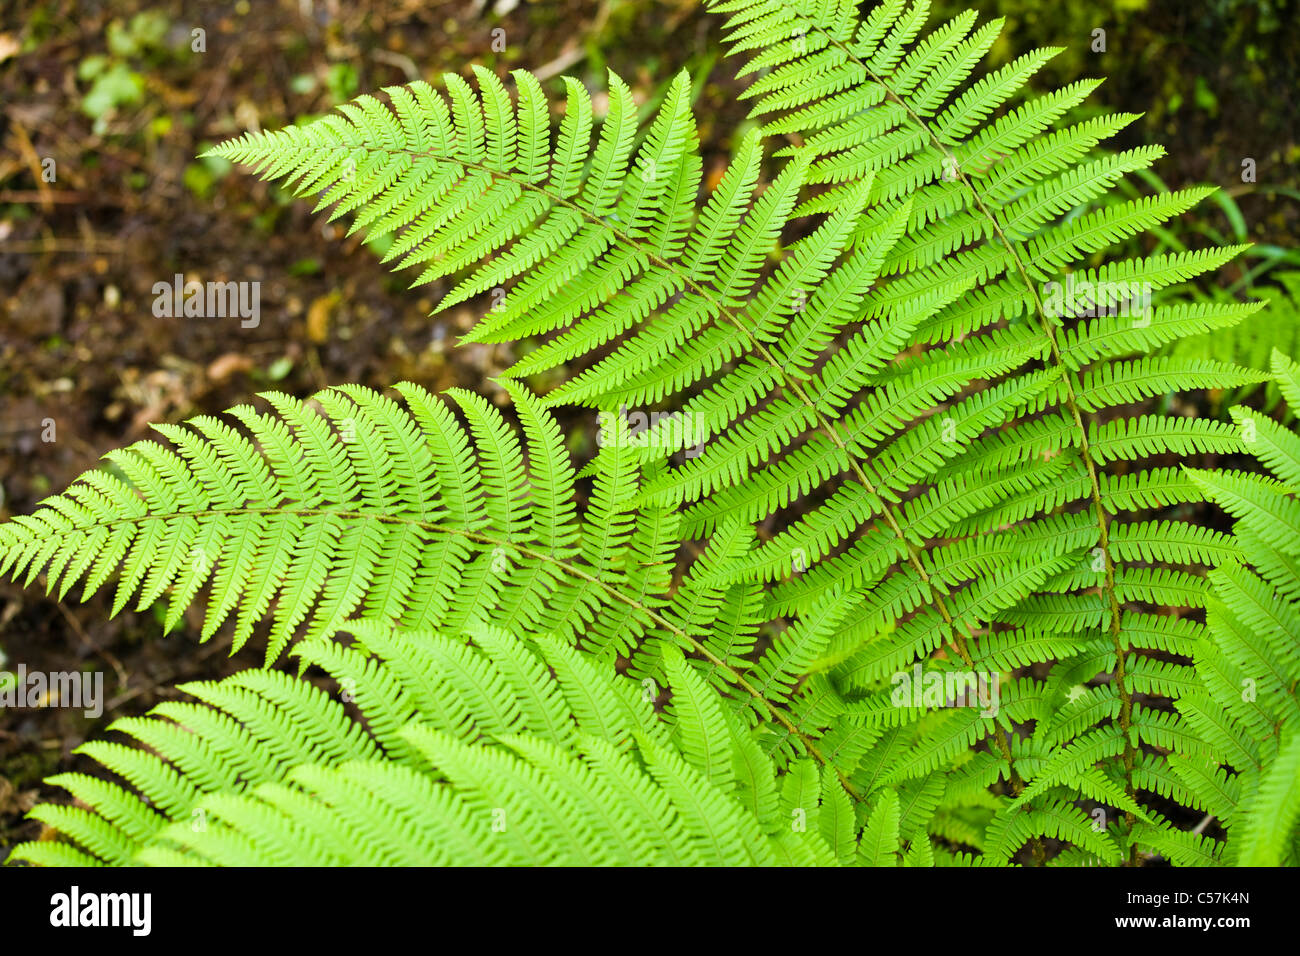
{"x": 104, "y": 108}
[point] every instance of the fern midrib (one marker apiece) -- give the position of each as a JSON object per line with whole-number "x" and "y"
{"x": 1067, "y": 379}
{"x": 574, "y": 570}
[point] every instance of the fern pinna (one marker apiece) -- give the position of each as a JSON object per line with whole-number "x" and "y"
{"x": 413, "y": 531}
{"x": 1245, "y": 768}
{"x": 522, "y": 753}
{"x": 1275, "y": 328}
{"x": 916, "y": 466}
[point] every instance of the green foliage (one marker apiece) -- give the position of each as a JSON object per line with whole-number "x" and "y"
{"x": 945, "y": 600}
{"x": 353, "y": 506}
{"x": 523, "y": 753}
{"x": 114, "y": 83}
{"x": 1276, "y": 327}
{"x": 1246, "y": 708}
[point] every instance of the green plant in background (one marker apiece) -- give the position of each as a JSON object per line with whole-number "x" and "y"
{"x": 1276, "y": 327}
{"x": 113, "y": 81}
{"x": 200, "y": 177}
{"x": 979, "y": 511}
{"x": 113, "y": 84}
{"x": 1236, "y": 39}
{"x": 1269, "y": 274}
{"x": 341, "y": 81}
